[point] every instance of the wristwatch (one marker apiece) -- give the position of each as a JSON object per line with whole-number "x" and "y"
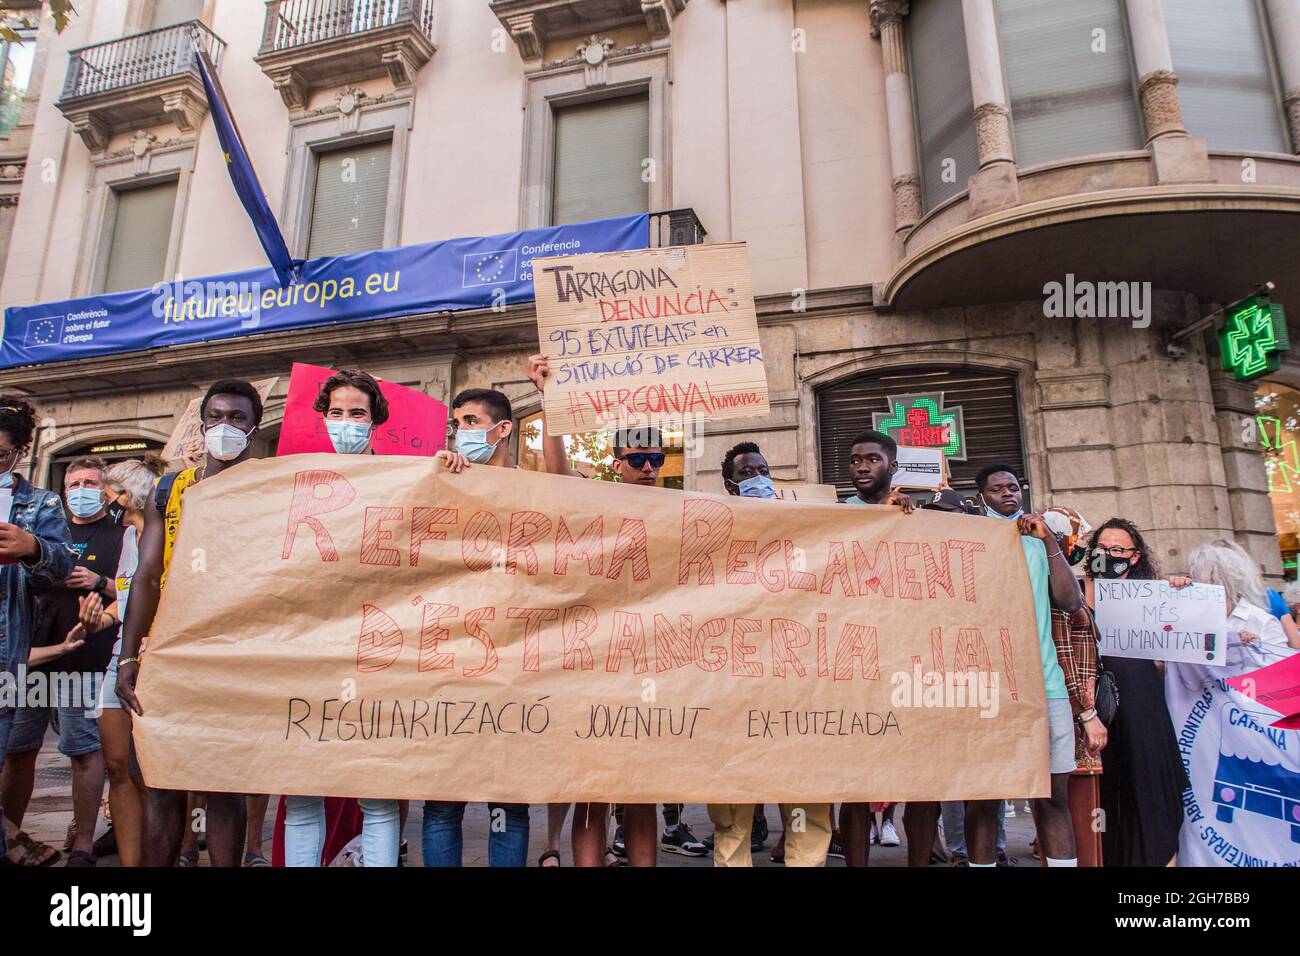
{"x": 100, "y": 585}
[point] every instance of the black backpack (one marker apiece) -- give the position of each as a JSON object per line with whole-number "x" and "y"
{"x": 163, "y": 491}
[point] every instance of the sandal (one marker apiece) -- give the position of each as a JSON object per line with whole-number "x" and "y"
{"x": 188, "y": 858}
{"x": 71, "y": 837}
{"x": 35, "y": 853}
{"x": 612, "y": 859}
{"x": 255, "y": 858}
{"x": 549, "y": 855}
{"x": 81, "y": 858}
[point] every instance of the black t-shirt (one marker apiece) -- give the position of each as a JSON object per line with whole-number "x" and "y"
{"x": 98, "y": 546}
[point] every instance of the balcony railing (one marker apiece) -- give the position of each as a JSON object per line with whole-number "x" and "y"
{"x": 296, "y": 23}
{"x": 676, "y": 227}
{"x": 154, "y": 55}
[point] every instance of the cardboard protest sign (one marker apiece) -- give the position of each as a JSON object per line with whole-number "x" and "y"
{"x": 648, "y": 337}
{"x": 920, "y": 468}
{"x": 185, "y": 446}
{"x": 386, "y": 629}
{"x": 803, "y": 491}
{"x": 1153, "y": 621}
{"x": 417, "y": 423}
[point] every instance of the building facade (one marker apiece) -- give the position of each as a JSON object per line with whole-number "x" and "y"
{"x": 910, "y": 177}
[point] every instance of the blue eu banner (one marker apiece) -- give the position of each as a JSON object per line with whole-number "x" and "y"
{"x": 386, "y": 283}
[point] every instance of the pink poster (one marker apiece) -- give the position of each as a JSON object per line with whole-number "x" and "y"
{"x": 417, "y": 423}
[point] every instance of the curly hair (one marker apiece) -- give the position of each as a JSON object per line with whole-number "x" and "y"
{"x": 362, "y": 382}
{"x": 729, "y": 460}
{"x": 17, "y": 420}
{"x": 1144, "y": 569}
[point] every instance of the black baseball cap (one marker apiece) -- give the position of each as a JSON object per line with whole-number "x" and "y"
{"x": 946, "y": 499}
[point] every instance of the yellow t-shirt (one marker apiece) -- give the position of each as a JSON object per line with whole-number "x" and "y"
{"x": 172, "y": 520}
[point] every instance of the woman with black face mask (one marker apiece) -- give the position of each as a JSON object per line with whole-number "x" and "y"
{"x": 1141, "y": 790}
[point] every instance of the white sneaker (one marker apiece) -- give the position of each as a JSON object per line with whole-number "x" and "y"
{"x": 888, "y": 835}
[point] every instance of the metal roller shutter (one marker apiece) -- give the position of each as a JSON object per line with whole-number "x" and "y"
{"x": 991, "y": 406}
{"x": 351, "y": 200}
{"x": 142, "y": 226}
{"x": 599, "y": 151}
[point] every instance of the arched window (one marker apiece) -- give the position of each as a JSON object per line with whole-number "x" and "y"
{"x": 990, "y": 404}
{"x": 1226, "y": 78}
{"x": 1069, "y": 77}
{"x": 942, "y": 104}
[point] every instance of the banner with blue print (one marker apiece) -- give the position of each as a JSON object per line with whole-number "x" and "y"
{"x": 409, "y": 280}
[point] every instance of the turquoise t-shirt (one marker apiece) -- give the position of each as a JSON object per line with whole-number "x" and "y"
{"x": 1036, "y": 558}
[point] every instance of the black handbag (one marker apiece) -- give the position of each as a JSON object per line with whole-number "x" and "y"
{"x": 1107, "y": 698}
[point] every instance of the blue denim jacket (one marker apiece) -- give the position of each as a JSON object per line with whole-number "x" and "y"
{"x": 38, "y": 512}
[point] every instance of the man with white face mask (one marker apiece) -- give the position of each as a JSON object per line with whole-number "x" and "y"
{"x": 229, "y": 415}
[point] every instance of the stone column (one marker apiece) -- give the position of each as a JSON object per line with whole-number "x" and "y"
{"x": 1243, "y": 468}
{"x": 1177, "y": 157}
{"x": 1284, "y": 16}
{"x": 995, "y": 186}
{"x": 887, "y": 26}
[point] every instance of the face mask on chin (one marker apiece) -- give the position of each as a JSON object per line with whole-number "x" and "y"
{"x": 997, "y": 514}
{"x": 348, "y": 438}
{"x": 225, "y": 442}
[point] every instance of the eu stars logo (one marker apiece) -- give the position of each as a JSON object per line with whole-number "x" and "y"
{"x": 46, "y": 331}
{"x": 488, "y": 268}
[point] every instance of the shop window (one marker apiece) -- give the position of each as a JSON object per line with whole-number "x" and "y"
{"x": 991, "y": 417}
{"x": 592, "y": 454}
{"x": 600, "y": 152}
{"x": 1277, "y": 410}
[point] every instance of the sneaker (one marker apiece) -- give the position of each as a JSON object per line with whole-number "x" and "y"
{"x": 836, "y": 848}
{"x": 680, "y": 839}
{"x": 1004, "y": 860}
{"x": 708, "y": 842}
{"x": 619, "y": 846}
{"x": 888, "y": 834}
{"x": 758, "y": 834}
{"x": 957, "y": 859}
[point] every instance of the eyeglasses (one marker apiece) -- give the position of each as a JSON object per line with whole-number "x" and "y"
{"x": 1119, "y": 552}
{"x": 637, "y": 459}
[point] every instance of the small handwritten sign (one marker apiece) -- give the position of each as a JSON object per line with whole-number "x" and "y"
{"x": 920, "y": 468}
{"x": 649, "y": 337}
{"x": 1156, "y": 622}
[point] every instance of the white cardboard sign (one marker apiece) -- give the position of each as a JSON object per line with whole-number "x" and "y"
{"x": 920, "y": 468}
{"x": 1153, "y": 621}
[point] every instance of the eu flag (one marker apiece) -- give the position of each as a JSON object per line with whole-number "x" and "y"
{"x": 242, "y": 175}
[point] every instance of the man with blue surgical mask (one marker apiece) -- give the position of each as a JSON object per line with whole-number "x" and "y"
{"x": 96, "y": 540}
{"x": 1001, "y": 491}
{"x": 353, "y": 407}
{"x": 745, "y": 472}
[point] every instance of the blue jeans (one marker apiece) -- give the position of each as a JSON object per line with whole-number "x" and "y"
{"x": 304, "y": 831}
{"x": 954, "y": 826}
{"x": 507, "y": 836}
{"x": 6, "y": 722}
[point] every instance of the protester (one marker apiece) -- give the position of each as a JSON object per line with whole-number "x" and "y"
{"x": 1076, "y": 637}
{"x": 980, "y": 820}
{"x": 873, "y": 460}
{"x": 638, "y": 456}
{"x": 484, "y": 422}
{"x": 97, "y": 540}
{"x": 806, "y": 827}
{"x": 129, "y": 485}
{"x": 229, "y": 416}
{"x": 34, "y": 552}
{"x": 1141, "y": 789}
{"x": 353, "y": 406}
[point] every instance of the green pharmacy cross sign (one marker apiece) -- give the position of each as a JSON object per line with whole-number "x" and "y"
{"x": 922, "y": 421}
{"x": 1252, "y": 338}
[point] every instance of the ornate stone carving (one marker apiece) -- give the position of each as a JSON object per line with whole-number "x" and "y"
{"x": 290, "y": 86}
{"x": 12, "y": 172}
{"x": 594, "y": 53}
{"x": 92, "y": 130}
{"x": 1161, "y": 110}
{"x": 399, "y": 63}
{"x": 993, "y": 133}
{"x": 142, "y": 144}
{"x": 658, "y": 17}
{"x": 523, "y": 30}
{"x": 886, "y": 12}
{"x": 907, "y": 200}
{"x": 184, "y": 109}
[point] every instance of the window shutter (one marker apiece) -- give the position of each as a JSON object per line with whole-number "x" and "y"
{"x": 351, "y": 200}
{"x": 1070, "y": 95}
{"x": 945, "y": 122}
{"x": 990, "y": 411}
{"x": 599, "y": 149}
{"x": 167, "y": 13}
{"x": 1225, "y": 79}
{"x": 142, "y": 226}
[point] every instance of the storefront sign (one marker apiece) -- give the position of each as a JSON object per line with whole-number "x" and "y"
{"x": 922, "y": 421}
{"x": 382, "y": 284}
{"x": 1253, "y": 338}
{"x": 117, "y": 446}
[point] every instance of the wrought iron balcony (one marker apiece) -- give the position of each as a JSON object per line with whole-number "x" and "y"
{"x": 137, "y": 81}
{"x": 313, "y": 44}
{"x": 676, "y": 227}
{"x": 534, "y": 23}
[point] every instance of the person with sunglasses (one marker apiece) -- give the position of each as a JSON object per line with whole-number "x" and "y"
{"x": 638, "y": 457}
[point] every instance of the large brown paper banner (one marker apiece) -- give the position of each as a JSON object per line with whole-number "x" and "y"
{"x": 346, "y": 625}
{"x": 648, "y": 337}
